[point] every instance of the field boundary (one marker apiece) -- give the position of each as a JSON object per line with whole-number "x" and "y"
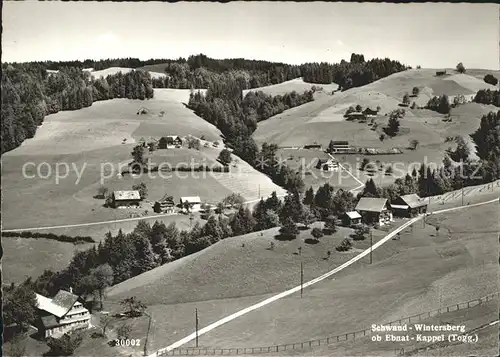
{"x": 190, "y": 351}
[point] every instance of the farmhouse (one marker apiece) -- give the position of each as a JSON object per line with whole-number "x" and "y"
{"x": 408, "y": 205}
{"x": 61, "y": 314}
{"x": 339, "y": 146}
{"x": 327, "y": 165}
{"x": 165, "y": 205}
{"x": 193, "y": 204}
{"x": 126, "y": 198}
{"x": 313, "y": 146}
{"x": 170, "y": 142}
{"x": 374, "y": 210}
{"x": 351, "y": 219}
{"x": 369, "y": 112}
{"x": 356, "y": 115}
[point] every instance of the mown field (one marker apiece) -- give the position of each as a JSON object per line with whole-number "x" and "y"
{"x": 420, "y": 272}
{"x": 296, "y": 84}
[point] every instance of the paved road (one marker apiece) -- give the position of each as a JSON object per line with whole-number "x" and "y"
{"x": 309, "y": 283}
{"x": 361, "y": 184}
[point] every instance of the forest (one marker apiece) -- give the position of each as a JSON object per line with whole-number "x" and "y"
{"x": 30, "y": 91}
{"x": 355, "y": 73}
{"x": 488, "y": 97}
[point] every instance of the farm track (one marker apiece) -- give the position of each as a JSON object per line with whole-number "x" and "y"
{"x": 274, "y": 298}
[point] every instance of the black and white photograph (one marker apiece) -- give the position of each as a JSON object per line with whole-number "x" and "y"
{"x": 257, "y": 178}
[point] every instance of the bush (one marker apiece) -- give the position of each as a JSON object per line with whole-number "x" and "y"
{"x": 344, "y": 246}
{"x": 490, "y": 79}
{"x": 415, "y": 91}
{"x": 316, "y": 233}
{"x": 123, "y": 332}
{"x": 64, "y": 346}
{"x": 225, "y": 157}
{"x": 460, "y": 68}
{"x": 361, "y": 232}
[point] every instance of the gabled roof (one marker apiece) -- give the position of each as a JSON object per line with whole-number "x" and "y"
{"x": 65, "y": 299}
{"x": 340, "y": 142}
{"x": 413, "y": 200}
{"x": 371, "y": 204}
{"x": 48, "y": 305}
{"x": 192, "y": 199}
{"x": 127, "y": 195}
{"x": 353, "y": 215}
{"x": 166, "y": 198}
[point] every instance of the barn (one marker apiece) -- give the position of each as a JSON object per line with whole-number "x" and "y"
{"x": 374, "y": 210}
{"x": 408, "y": 205}
{"x": 170, "y": 142}
{"x": 126, "y": 198}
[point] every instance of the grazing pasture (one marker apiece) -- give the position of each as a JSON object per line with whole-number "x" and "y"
{"x": 297, "y": 85}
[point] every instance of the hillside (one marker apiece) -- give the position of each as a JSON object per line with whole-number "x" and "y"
{"x": 438, "y": 271}
{"x": 104, "y": 135}
{"x": 297, "y": 85}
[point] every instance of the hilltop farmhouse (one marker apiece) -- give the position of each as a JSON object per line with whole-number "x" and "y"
{"x": 339, "y": 147}
{"x": 61, "y": 314}
{"x": 122, "y": 199}
{"x": 374, "y": 210}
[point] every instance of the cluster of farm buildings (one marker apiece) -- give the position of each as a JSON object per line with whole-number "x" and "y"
{"x": 125, "y": 199}
{"x": 380, "y": 211}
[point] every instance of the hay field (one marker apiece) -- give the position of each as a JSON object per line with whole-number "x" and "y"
{"x": 296, "y": 84}
{"x": 114, "y": 70}
{"x": 24, "y": 257}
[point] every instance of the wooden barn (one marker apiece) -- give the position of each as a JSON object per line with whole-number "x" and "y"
{"x": 193, "y": 204}
{"x": 408, "y": 205}
{"x": 374, "y": 210}
{"x": 351, "y": 219}
{"x": 126, "y": 198}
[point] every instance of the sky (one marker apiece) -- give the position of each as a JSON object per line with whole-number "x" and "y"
{"x": 432, "y": 35}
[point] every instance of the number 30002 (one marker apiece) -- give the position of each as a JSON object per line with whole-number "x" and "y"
{"x": 127, "y": 342}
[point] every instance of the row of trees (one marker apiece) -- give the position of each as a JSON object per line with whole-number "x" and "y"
{"x": 29, "y": 93}
{"x": 488, "y": 97}
{"x": 355, "y": 73}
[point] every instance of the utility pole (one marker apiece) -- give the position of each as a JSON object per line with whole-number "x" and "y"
{"x": 371, "y": 246}
{"x": 259, "y": 193}
{"x": 301, "y": 279}
{"x": 196, "y": 314}
{"x": 462, "y": 193}
{"x": 147, "y": 336}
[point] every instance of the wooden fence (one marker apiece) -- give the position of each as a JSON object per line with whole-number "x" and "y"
{"x": 201, "y": 351}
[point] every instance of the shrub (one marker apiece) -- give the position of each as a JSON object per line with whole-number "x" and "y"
{"x": 415, "y": 91}
{"x": 64, "y": 346}
{"x": 344, "y": 246}
{"x": 225, "y": 157}
{"x": 361, "y": 232}
{"x": 381, "y": 137}
{"x": 460, "y": 68}
{"x": 413, "y": 144}
{"x": 123, "y": 332}
{"x": 490, "y": 79}
{"x": 316, "y": 233}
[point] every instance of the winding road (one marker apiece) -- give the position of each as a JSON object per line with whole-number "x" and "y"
{"x": 279, "y": 296}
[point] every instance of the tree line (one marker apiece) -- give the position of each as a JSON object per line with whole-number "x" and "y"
{"x": 487, "y": 96}
{"x": 355, "y": 73}
{"x": 236, "y": 116}
{"x": 29, "y": 93}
